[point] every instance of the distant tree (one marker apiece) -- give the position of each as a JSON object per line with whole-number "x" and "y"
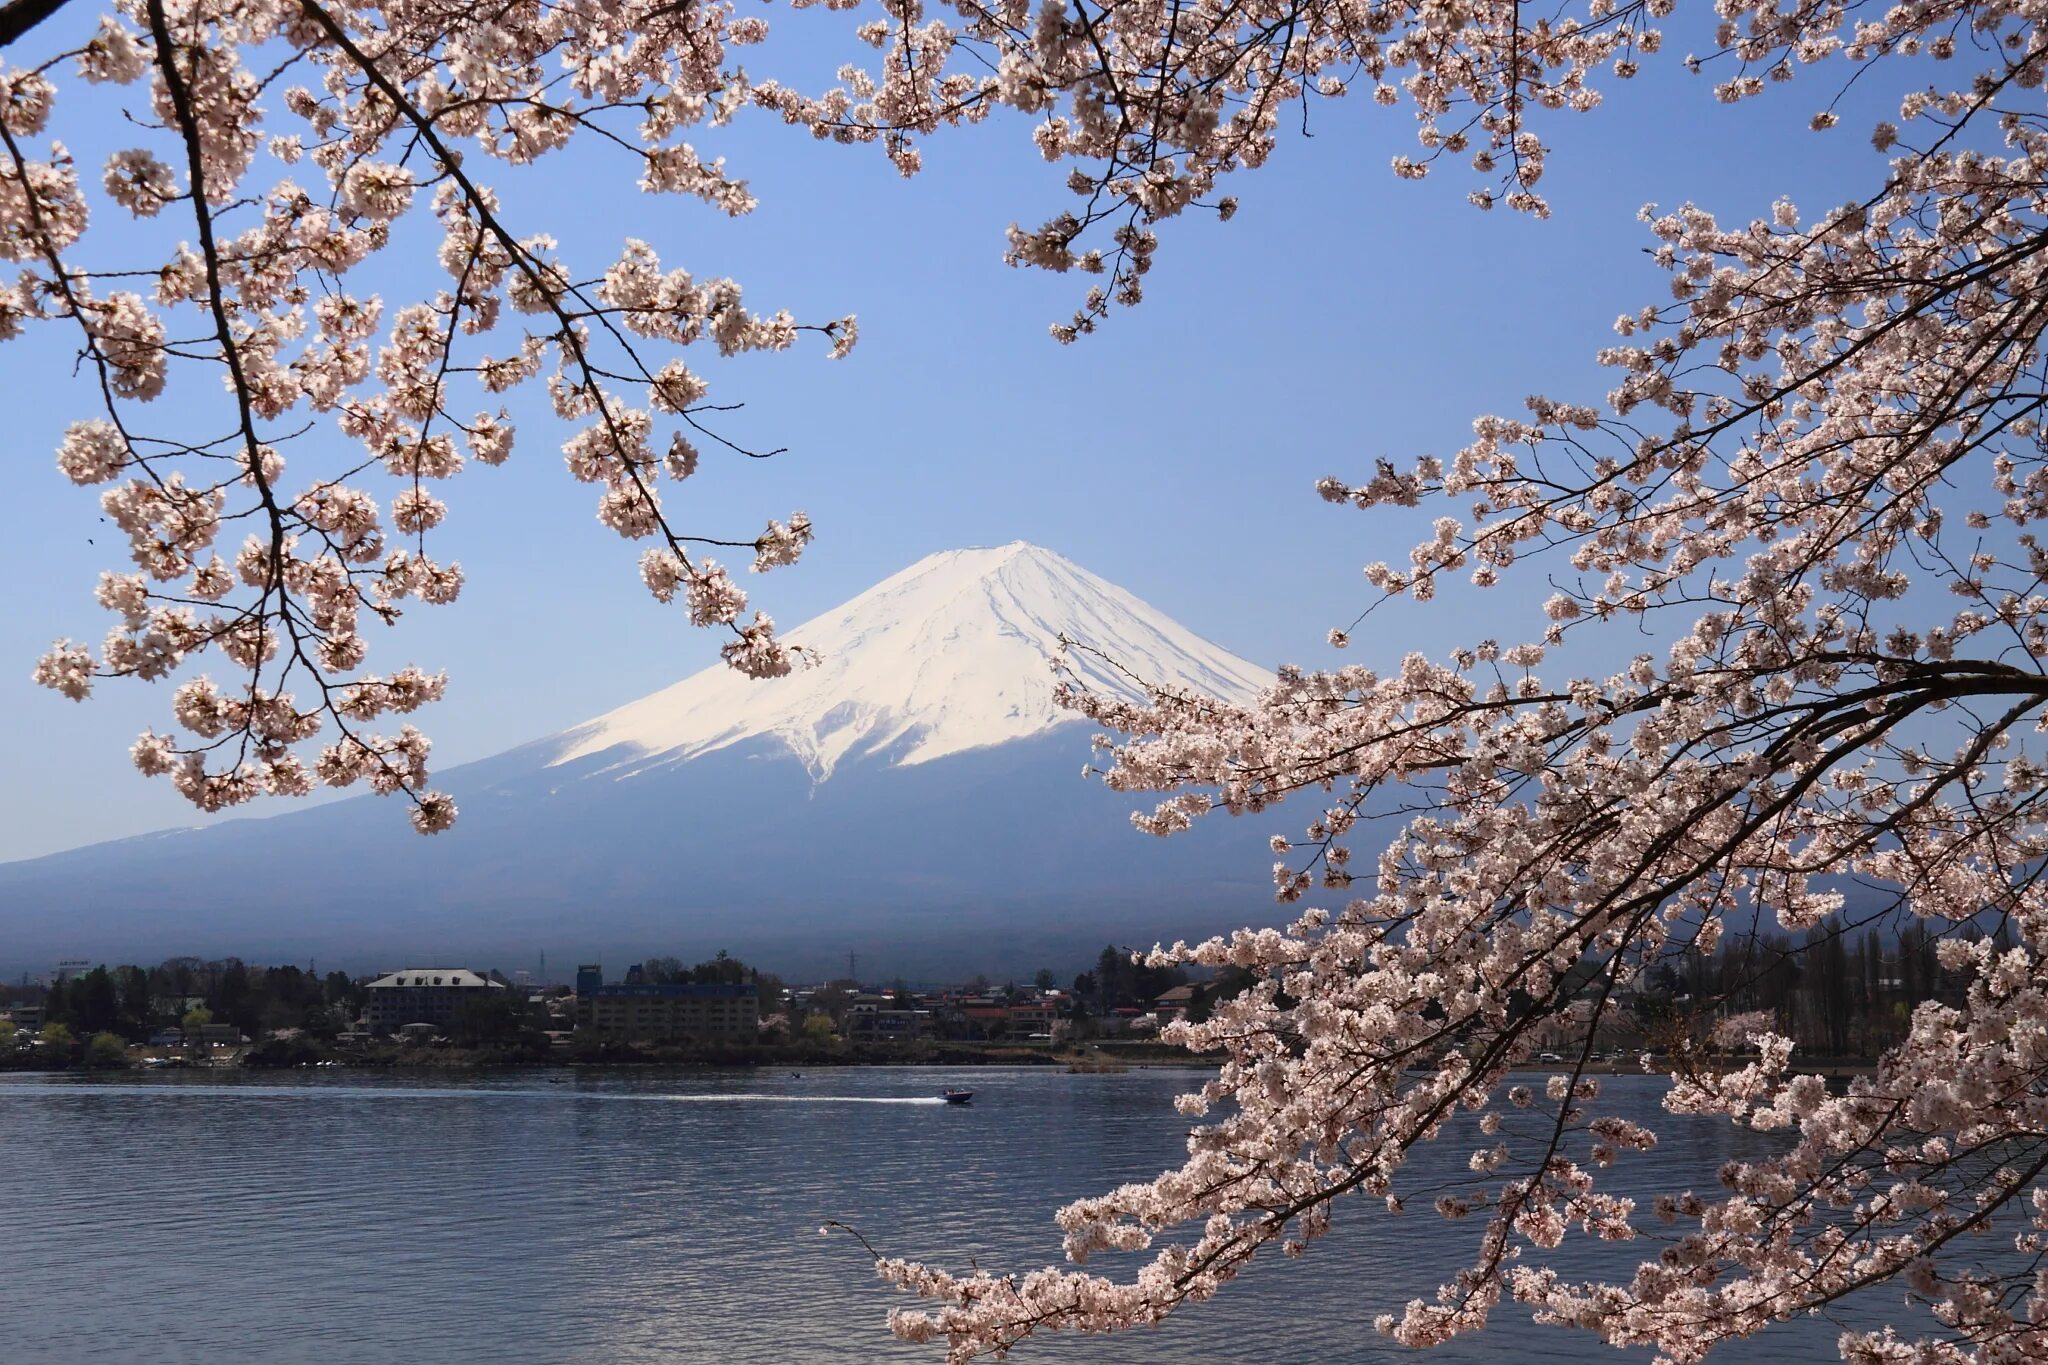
{"x": 722, "y": 970}
{"x": 342, "y": 993}
{"x": 95, "y": 1002}
{"x": 177, "y": 976}
{"x": 492, "y": 1018}
{"x": 56, "y": 1002}
{"x": 818, "y": 1027}
{"x": 318, "y": 1022}
{"x": 106, "y": 1052}
{"x": 1045, "y": 980}
{"x": 1124, "y": 982}
{"x": 7, "y": 1033}
{"x": 234, "y": 1000}
{"x": 284, "y": 995}
{"x": 57, "y": 1036}
{"x": 195, "y": 1019}
{"x": 137, "y": 1012}
{"x": 662, "y": 971}
{"x": 1834, "y": 983}
{"x": 1112, "y": 970}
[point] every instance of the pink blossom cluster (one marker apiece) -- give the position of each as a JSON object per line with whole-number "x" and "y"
{"x": 344, "y": 407}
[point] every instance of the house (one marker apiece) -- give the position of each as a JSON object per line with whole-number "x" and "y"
{"x": 1033, "y": 1017}
{"x": 867, "y": 1024}
{"x": 424, "y": 995}
{"x": 1174, "y": 1004}
{"x": 982, "y": 1018}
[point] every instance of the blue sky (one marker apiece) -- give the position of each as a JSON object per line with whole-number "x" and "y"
{"x": 1342, "y": 315}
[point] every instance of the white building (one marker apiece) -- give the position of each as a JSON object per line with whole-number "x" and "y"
{"x": 424, "y": 995}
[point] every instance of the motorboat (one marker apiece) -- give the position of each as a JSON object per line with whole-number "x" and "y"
{"x": 958, "y": 1096}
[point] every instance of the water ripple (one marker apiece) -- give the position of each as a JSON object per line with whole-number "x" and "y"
{"x": 660, "y": 1215}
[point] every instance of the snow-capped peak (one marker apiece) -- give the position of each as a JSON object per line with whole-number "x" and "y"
{"x": 953, "y": 653}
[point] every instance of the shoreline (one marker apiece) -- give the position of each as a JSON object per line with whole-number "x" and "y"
{"x": 281, "y": 1055}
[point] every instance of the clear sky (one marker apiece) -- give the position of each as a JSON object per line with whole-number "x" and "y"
{"x": 1342, "y": 315}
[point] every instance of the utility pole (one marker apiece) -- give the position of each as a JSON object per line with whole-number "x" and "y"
{"x": 852, "y": 974}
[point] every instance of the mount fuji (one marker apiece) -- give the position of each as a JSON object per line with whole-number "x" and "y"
{"x": 914, "y": 798}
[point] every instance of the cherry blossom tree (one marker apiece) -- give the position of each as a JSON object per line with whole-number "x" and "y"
{"x": 366, "y": 113}
{"x": 1812, "y": 487}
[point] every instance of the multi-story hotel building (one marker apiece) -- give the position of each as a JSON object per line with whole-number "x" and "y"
{"x": 423, "y": 995}
{"x": 694, "y": 1010}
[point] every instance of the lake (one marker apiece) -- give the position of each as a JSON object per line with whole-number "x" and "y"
{"x": 622, "y": 1215}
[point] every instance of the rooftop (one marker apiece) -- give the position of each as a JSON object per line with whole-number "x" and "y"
{"x": 410, "y": 977}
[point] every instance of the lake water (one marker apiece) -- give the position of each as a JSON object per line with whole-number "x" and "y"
{"x": 656, "y": 1215}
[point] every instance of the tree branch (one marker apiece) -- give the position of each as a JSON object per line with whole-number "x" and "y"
{"x": 17, "y": 17}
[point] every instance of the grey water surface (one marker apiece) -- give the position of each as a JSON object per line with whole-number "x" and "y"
{"x": 673, "y": 1215}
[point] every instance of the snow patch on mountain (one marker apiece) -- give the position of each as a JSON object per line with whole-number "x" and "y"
{"x": 952, "y": 654}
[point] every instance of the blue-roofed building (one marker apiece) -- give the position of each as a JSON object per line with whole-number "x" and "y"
{"x": 636, "y": 1009}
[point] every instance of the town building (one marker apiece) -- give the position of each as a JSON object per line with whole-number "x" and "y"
{"x": 1033, "y": 1019}
{"x": 423, "y": 995}
{"x": 869, "y": 1024}
{"x": 980, "y": 1017}
{"x": 636, "y": 1009}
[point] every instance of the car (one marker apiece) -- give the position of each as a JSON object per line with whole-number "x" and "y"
{"x": 1548, "y": 1057}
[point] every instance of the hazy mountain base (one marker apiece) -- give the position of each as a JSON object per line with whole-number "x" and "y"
{"x": 996, "y": 861}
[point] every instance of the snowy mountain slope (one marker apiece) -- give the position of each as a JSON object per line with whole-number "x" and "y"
{"x": 949, "y": 655}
